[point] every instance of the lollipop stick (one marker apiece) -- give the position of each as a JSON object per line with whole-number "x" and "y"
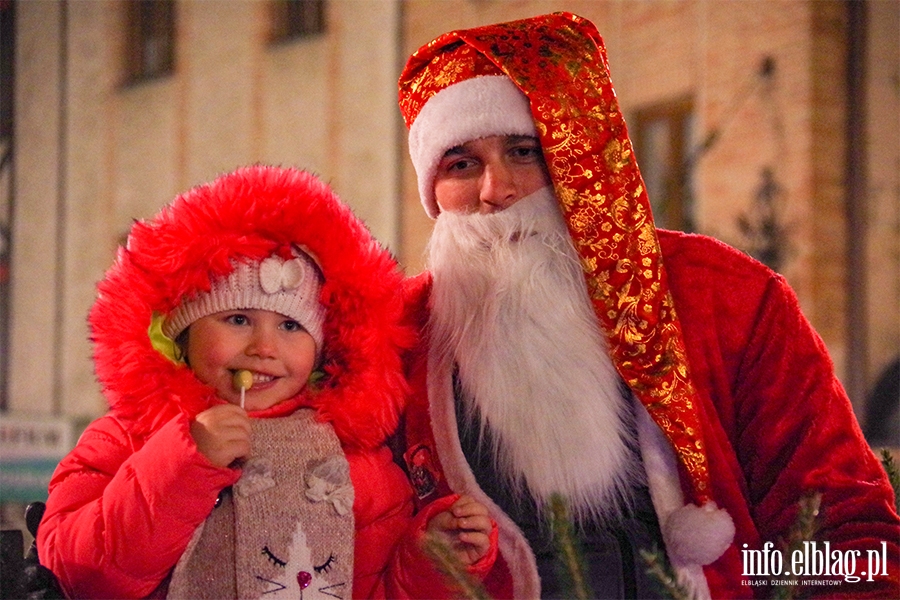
{"x": 242, "y": 380}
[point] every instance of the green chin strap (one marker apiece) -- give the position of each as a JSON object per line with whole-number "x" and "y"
{"x": 161, "y": 343}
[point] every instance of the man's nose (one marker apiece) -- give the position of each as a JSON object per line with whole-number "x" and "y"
{"x": 498, "y": 189}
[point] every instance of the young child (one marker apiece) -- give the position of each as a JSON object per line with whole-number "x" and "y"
{"x": 248, "y": 340}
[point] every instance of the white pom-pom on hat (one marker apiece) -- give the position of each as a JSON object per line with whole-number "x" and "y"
{"x": 697, "y": 534}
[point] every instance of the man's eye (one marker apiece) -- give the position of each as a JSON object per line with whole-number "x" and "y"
{"x": 526, "y": 152}
{"x": 459, "y": 165}
{"x": 456, "y": 163}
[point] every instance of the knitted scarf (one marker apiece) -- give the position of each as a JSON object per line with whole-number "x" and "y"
{"x": 287, "y": 527}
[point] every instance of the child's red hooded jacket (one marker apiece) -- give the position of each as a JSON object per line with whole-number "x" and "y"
{"x": 125, "y": 502}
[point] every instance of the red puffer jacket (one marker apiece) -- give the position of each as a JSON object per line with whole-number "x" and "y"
{"x": 125, "y": 502}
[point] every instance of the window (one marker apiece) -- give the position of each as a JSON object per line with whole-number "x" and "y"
{"x": 662, "y": 144}
{"x": 292, "y": 19}
{"x": 151, "y": 39}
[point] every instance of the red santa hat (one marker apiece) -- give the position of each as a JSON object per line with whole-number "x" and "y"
{"x": 548, "y": 76}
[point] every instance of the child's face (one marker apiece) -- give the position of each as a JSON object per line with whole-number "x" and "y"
{"x": 275, "y": 349}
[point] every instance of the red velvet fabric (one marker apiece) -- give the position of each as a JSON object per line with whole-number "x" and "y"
{"x": 777, "y": 423}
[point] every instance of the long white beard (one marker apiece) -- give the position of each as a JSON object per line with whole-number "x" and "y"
{"x": 510, "y": 308}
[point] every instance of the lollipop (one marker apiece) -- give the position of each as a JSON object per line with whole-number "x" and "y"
{"x": 242, "y": 380}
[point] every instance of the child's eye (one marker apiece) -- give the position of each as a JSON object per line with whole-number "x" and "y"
{"x": 291, "y": 325}
{"x": 237, "y": 319}
{"x": 323, "y": 568}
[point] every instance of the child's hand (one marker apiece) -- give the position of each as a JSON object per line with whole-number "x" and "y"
{"x": 222, "y": 434}
{"x": 465, "y": 528}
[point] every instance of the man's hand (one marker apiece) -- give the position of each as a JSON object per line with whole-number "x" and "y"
{"x": 222, "y": 434}
{"x": 465, "y": 528}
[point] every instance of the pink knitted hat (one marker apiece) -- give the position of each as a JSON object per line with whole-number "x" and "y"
{"x": 289, "y": 287}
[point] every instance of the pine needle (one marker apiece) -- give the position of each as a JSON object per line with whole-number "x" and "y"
{"x": 569, "y": 552}
{"x": 893, "y": 473}
{"x": 659, "y": 569}
{"x": 447, "y": 563}
{"x": 803, "y": 530}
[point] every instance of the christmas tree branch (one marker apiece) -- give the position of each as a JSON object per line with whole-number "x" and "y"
{"x": 659, "y": 569}
{"x": 803, "y": 530}
{"x": 569, "y": 553}
{"x": 447, "y": 563}
{"x": 893, "y": 473}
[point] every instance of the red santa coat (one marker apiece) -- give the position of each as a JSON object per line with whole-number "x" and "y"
{"x": 125, "y": 502}
{"x": 777, "y": 425}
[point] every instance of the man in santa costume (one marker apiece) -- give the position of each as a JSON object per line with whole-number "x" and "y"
{"x": 665, "y": 385}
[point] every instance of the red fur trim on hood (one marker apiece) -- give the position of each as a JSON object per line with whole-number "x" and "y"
{"x": 247, "y": 215}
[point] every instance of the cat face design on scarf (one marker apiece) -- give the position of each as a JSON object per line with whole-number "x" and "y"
{"x": 315, "y": 562}
{"x": 301, "y": 575}
{"x": 287, "y": 530}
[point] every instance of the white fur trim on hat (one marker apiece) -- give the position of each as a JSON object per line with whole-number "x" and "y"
{"x": 469, "y": 110}
{"x": 288, "y": 287}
